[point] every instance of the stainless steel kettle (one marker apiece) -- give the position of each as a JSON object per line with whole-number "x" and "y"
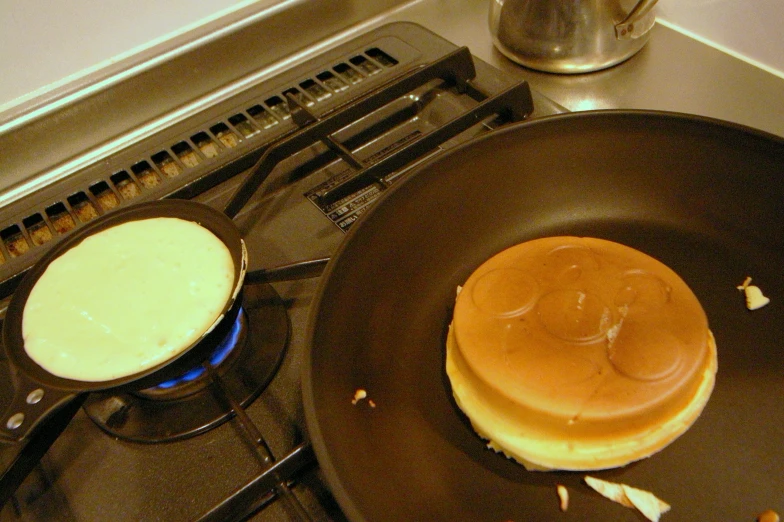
{"x": 570, "y": 36}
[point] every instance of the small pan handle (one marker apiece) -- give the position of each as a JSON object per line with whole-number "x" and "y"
{"x": 29, "y": 453}
{"x": 31, "y": 403}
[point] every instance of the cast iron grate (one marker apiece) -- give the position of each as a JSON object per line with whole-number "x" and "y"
{"x": 276, "y": 477}
{"x": 513, "y": 103}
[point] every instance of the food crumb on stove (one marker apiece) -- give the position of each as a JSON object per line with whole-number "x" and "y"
{"x": 768, "y": 516}
{"x": 563, "y": 496}
{"x": 371, "y": 403}
{"x": 648, "y": 504}
{"x": 358, "y": 396}
{"x": 754, "y": 296}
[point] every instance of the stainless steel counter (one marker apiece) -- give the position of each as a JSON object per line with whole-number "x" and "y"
{"x": 673, "y": 72}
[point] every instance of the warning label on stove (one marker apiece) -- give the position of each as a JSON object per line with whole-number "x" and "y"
{"x": 347, "y": 210}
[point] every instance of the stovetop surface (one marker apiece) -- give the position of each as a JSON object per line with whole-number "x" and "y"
{"x": 90, "y": 475}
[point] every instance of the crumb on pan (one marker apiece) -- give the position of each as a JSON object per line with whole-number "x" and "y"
{"x": 361, "y": 394}
{"x": 358, "y": 396}
{"x": 648, "y": 504}
{"x": 563, "y": 496}
{"x": 755, "y": 299}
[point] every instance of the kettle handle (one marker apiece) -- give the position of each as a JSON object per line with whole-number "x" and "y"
{"x": 639, "y": 21}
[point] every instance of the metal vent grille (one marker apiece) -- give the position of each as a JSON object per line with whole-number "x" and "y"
{"x": 182, "y": 165}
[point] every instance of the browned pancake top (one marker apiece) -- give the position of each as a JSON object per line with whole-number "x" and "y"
{"x": 583, "y": 331}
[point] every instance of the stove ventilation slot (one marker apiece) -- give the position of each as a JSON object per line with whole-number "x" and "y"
{"x": 14, "y": 241}
{"x": 165, "y": 171}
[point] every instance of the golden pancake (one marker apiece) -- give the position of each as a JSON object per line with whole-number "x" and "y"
{"x": 579, "y": 354}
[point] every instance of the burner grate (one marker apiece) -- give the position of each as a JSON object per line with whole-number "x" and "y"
{"x": 291, "y": 141}
{"x": 260, "y": 491}
{"x": 191, "y": 408}
{"x": 514, "y": 104}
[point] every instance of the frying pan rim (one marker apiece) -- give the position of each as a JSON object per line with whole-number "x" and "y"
{"x": 323, "y": 455}
{"x": 169, "y": 208}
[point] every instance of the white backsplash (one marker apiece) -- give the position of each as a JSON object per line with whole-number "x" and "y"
{"x": 750, "y": 30}
{"x": 48, "y": 44}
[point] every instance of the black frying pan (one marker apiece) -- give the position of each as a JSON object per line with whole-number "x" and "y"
{"x": 39, "y": 393}
{"x": 704, "y": 197}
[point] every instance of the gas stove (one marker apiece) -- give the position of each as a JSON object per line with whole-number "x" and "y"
{"x": 295, "y": 158}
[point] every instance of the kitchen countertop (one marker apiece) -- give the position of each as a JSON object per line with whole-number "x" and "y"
{"x": 673, "y": 72}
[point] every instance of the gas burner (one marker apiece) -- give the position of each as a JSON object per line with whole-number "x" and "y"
{"x": 197, "y": 379}
{"x": 246, "y": 361}
{"x": 297, "y": 158}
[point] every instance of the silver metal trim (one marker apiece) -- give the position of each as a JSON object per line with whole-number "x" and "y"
{"x": 47, "y": 140}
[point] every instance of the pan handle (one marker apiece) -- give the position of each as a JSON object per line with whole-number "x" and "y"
{"x": 30, "y": 452}
{"x": 32, "y": 402}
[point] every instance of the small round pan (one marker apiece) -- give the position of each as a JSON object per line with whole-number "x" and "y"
{"x": 38, "y": 392}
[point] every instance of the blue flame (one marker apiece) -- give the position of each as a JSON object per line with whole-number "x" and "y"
{"x": 218, "y": 356}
